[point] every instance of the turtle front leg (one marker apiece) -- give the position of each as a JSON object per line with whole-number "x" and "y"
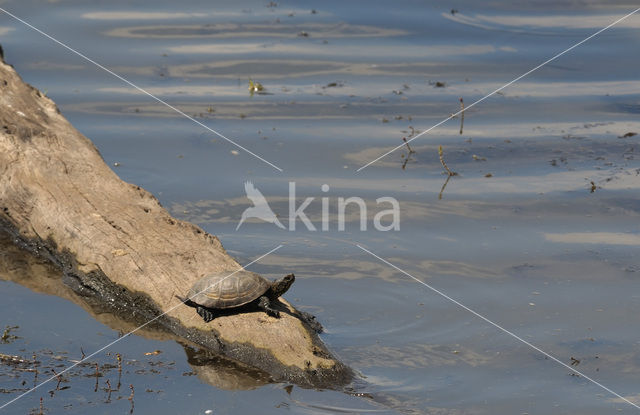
{"x": 265, "y": 304}
{"x": 206, "y": 314}
{"x": 311, "y": 320}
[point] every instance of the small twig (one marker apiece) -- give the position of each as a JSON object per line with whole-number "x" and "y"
{"x": 41, "y": 406}
{"x": 406, "y": 143}
{"x": 35, "y": 376}
{"x": 441, "y": 154}
{"x": 97, "y": 375}
{"x": 119, "y": 358}
{"x": 406, "y": 160}
{"x": 59, "y": 377}
{"x": 109, "y": 390}
{"x": 131, "y": 397}
{"x": 461, "y": 115}
{"x": 443, "y": 187}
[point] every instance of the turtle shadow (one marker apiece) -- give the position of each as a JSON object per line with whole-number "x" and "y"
{"x": 309, "y": 320}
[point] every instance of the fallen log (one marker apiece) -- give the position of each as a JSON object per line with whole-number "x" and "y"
{"x": 115, "y": 243}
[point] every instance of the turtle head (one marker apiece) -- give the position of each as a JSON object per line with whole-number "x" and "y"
{"x": 279, "y": 287}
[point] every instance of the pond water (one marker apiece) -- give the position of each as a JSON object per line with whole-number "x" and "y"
{"x": 538, "y": 232}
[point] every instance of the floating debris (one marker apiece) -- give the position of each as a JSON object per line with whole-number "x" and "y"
{"x": 627, "y": 135}
{"x": 437, "y": 84}
{"x": 153, "y": 353}
{"x": 476, "y": 158}
{"x": 235, "y": 152}
{"x": 255, "y": 87}
{"x": 13, "y": 359}
{"x": 303, "y": 34}
{"x": 7, "y": 337}
{"x": 333, "y": 85}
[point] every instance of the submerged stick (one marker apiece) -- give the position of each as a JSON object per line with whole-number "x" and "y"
{"x": 406, "y": 143}
{"x": 461, "y": 115}
{"x": 441, "y": 154}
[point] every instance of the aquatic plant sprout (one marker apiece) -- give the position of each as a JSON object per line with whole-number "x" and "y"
{"x": 502, "y": 87}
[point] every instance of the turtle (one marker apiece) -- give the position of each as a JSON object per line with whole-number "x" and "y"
{"x": 224, "y": 292}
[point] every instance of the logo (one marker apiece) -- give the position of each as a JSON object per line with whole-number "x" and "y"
{"x": 262, "y": 210}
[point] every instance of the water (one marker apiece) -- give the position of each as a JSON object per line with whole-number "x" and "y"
{"x": 530, "y": 247}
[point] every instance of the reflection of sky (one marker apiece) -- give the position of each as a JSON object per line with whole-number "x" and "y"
{"x": 604, "y": 238}
{"x": 561, "y": 23}
{"x": 477, "y": 186}
{"x": 171, "y": 15}
{"x": 524, "y": 89}
{"x": 263, "y": 31}
{"x": 133, "y": 15}
{"x": 345, "y": 51}
{"x": 529, "y": 220}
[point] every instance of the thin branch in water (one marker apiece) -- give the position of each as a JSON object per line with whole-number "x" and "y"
{"x": 109, "y": 390}
{"x": 406, "y": 160}
{"x": 35, "y": 376}
{"x": 461, "y": 115}
{"x": 97, "y": 375}
{"x": 406, "y": 143}
{"x": 59, "y": 377}
{"x": 441, "y": 154}
{"x": 119, "y": 357}
{"x": 131, "y": 398}
{"x": 443, "y": 187}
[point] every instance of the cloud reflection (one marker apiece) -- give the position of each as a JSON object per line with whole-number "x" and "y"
{"x": 604, "y": 238}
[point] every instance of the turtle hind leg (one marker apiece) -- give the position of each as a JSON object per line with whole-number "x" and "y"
{"x": 206, "y": 314}
{"x": 264, "y": 304}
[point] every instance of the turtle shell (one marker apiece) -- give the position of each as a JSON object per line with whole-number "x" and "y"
{"x": 224, "y": 290}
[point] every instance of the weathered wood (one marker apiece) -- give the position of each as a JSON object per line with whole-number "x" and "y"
{"x": 39, "y": 275}
{"x": 115, "y": 242}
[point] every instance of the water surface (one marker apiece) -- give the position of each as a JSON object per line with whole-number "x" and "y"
{"x": 538, "y": 231}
